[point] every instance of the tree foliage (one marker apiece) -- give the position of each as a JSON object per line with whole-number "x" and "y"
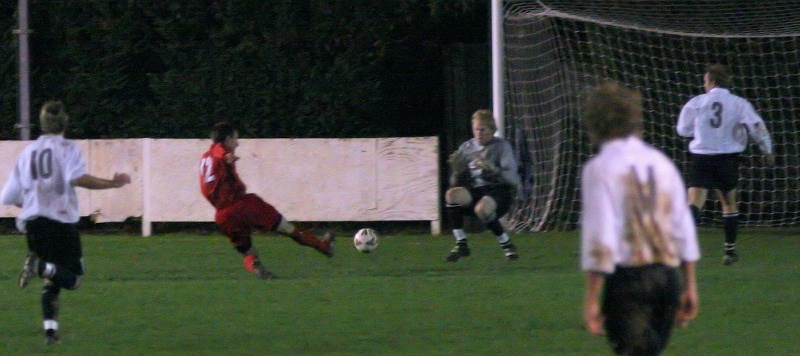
{"x": 278, "y": 68}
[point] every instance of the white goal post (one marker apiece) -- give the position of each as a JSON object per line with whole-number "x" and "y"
{"x": 553, "y": 50}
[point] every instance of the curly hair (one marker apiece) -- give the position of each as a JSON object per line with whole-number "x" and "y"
{"x": 611, "y": 110}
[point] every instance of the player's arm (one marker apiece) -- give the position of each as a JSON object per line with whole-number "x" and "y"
{"x": 760, "y": 135}
{"x": 505, "y": 169}
{"x": 12, "y": 192}
{"x": 685, "y": 126}
{"x": 690, "y": 301}
{"x": 758, "y": 131}
{"x": 89, "y": 181}
{"x": 459, "y": 163}
{"x": 508, "y": 165}
{"x": 592, "y": 314}
{"x": 75, "y": 171}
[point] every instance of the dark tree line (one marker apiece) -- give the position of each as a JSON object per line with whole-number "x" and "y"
{"x": 277, "y": 68}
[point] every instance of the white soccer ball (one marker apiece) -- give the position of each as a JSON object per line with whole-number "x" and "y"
{"x": 366, "y": 240}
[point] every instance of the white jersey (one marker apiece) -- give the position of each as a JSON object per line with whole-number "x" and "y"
{"x": 720, "y": 121}
{"x": 633, "y": 209}
{"x": 41, "y": 180}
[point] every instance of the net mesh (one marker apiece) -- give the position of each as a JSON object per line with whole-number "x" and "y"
{"x": 556, "y": 49}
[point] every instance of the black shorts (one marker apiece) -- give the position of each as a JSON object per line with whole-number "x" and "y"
{"x": 713, "y": 171}
{"x": 502, "y": 195}
{"x": 56, "y": 242}
{"x": 639, "y": 304}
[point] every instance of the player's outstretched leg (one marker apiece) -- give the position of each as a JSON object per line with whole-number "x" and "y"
{"x": 28, "y": 270}
{"x": 307, "y": 238}
{"x": 328, "y": 243}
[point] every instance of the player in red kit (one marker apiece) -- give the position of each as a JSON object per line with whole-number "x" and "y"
{"x": 239, "y": 212}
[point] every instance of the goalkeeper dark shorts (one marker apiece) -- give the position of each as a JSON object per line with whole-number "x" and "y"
{"x": 502, "y": 195}
{"x": 640, "y": 304}
{"x": 713, "y": 171}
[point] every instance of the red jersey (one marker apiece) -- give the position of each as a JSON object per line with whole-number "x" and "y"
{"x": 219, "y": 181}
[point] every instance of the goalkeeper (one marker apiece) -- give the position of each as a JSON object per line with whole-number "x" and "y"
{"x": 484, "y": 182}
{"x": 719, "y": 123}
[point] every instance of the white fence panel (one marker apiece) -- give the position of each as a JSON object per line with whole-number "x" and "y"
{"x": 375, "y": 179}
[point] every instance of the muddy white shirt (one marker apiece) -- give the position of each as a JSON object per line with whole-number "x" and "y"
{"x": 41, "y": 180}
{"x": 720, "y": 121}
{"x": 633, "y": 209}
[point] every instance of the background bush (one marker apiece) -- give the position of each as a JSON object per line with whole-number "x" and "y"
{"x": 278, "y": 68}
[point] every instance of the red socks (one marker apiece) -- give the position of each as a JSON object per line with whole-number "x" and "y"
{"x": 248, "y": 262}
{"x": 306, "y": 238}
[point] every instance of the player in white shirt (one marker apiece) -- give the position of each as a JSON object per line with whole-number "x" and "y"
{"x": 43, "y": 185}
{"x": 638, "y": 240}
{"x": 719, "y": 123}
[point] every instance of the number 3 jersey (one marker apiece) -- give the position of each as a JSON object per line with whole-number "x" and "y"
{"x": 633, "y": 209}
{"x": 720, "y": 122}
{"x": 219, "y": 181}
{"x": 41, "y": 180}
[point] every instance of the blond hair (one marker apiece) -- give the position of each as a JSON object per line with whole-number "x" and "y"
{"x": 53, "y": 117}
{"x": 486, "y": 118}
{"x": 611, "y": 111}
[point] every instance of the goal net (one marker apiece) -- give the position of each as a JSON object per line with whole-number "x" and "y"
{"x": 556, "y": 49}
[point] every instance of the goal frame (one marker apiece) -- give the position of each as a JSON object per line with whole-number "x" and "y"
{"x": 503, "y": 96}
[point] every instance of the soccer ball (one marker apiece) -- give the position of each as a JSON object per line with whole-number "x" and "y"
{"x": 366, "y": 240}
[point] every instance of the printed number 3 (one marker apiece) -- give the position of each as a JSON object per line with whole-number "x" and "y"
{"x": 207, "y": 169}
{"x": 716, "y": 121}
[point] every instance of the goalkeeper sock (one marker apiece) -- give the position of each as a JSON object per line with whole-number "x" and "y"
{"x": 496, "y": 227}
{"x": 730, "y": 223}
{"x": 456, "y": 215}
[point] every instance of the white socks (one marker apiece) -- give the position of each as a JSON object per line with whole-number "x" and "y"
{"x": 460, "y": 235}
{"x": 50, "y": 324}
{"x": 504, "y": 238}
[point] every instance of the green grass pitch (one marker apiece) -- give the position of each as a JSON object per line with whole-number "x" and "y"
{"x": 188, "y": 294}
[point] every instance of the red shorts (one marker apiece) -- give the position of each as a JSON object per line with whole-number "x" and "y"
{"x": 238, "y": 220}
